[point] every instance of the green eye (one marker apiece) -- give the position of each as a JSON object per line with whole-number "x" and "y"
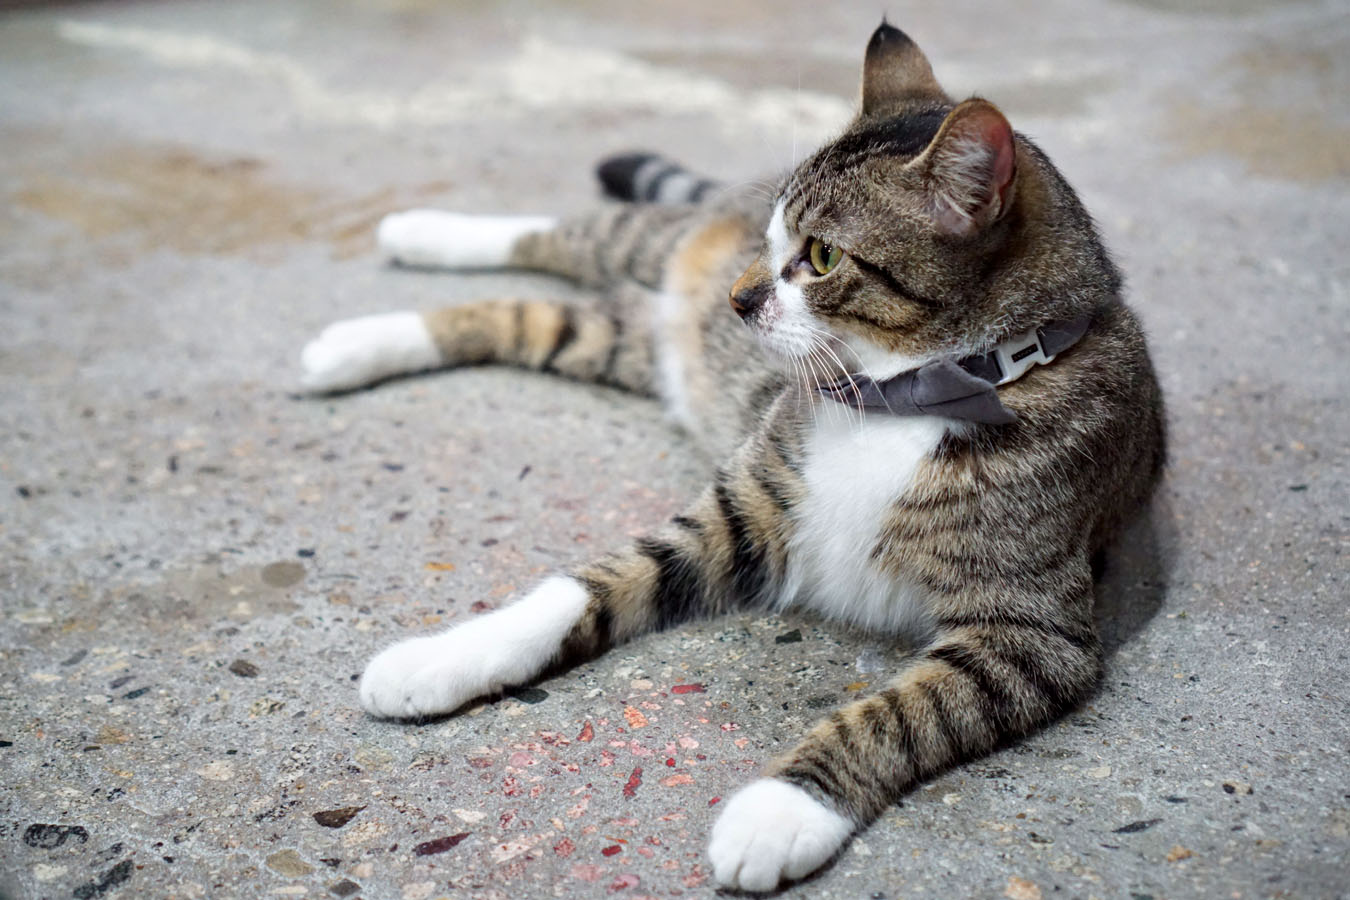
{"x": 823, "y": 256}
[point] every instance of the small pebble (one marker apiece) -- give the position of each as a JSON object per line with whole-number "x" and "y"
{"x": 244, "y": 669}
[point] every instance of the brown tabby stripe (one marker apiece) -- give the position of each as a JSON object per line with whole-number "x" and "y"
{"x": 679, "y": 591}
{"x": 566, "y": 335}
{"x": 747, "y": 570}
{"x": 893, "y": 284}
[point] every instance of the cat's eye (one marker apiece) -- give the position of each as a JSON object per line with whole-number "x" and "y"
{"x": 823, "y": 256}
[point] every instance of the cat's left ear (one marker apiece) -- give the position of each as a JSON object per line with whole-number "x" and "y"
{"x": 970, "y": 169}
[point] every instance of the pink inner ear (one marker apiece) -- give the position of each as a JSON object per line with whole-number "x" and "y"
{"x": 997, "y": 134}
{"x": 977, "y": 191}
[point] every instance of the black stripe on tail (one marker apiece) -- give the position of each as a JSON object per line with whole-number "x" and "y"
{"x": 648, "y": 178}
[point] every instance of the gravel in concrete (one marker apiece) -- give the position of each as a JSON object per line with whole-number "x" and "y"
{"x": 196, "y": 562}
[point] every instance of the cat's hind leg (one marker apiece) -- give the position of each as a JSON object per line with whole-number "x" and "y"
{"x": 608, "y": 342}
{"x": 439, "y": 239}
{"x": 616, "y": 242}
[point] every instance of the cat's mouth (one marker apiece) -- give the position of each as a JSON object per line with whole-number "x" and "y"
{"x": 808, "y": 351}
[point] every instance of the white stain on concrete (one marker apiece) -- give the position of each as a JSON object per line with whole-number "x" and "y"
{"x": 522, "y": 84}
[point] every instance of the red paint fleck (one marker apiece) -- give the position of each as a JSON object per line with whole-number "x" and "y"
{"x": 606, "y": 758}
{"x": 714, "y": 801}
{"x": 510, "y": 786}
{"x": 688, "y": 689}
{"x": 564, "y": 847}
{"x": 587, "y": 732}
{"x": 695, "y": 878}
{"x": 624, "y": 882}
{"x": 635, "y": 717}
{"x": 670, "y": 761}
{"x": 440, "y": 845}
{"x": 587, "y": 872}
{"x": 634, "y": 782}
{"x": 478, "y": 606}
{"x": 520, "y": 759}
{"x": 730, "y": 726}
{"x": 676, "y": 780}
{"x": 612, "y": 849}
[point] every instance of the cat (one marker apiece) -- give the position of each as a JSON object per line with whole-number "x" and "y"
{"x": 933, "y": 412}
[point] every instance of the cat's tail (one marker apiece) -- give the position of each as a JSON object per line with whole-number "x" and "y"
{"x": 650, "y": 178}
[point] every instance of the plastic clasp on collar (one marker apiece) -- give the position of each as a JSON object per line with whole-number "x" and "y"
{"x": 1017, "y": 354}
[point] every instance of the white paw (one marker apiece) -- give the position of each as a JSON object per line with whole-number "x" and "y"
{"x": 429, "y": 237}
{"x": 438, "y": 674}
{"x": 770, "y": 832}
{"x": 355, "y": 352}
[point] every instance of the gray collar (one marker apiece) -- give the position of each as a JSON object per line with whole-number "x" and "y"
{"x": 963, "y": 388}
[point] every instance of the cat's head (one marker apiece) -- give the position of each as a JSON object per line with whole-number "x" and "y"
{"x": 927, "y": 227}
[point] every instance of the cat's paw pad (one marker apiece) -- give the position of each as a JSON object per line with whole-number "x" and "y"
{"x": 431, "y": 237}
{"x": 771, "y": 832}
{"x": 356, "y": 352}
{"x": 425, "y": 676}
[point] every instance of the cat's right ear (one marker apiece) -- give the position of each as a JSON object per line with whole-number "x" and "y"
{"x": 894, "y": 71}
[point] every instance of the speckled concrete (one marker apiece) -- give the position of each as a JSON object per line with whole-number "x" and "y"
{"x": 196, "y": 563}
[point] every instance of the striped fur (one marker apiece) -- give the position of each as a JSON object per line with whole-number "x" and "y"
{"x": 970, "y": 542}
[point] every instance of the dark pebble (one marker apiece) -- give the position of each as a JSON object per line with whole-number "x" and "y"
{"x": 6, "y": 743}
{"x": 344, "y": 888}
{"x": 398, "y": 515}
{"x": 393, "y": 467}
{"x": 75, "y": 657}
{"x": 523, "y": 472}
{"x": 117, "y": 875}
{"x": 1298, "y": 488}
{"x": 792, "y": 637}
{"x": 1175, "y": 799}
{"x": 139, "y": 692}
{"x": 49, "y": 837}
{"x": 440, "y": 845}
{"x": 305, "y": 552}
{"x": 24, "y": 491}
{"x": 1136, "y": 827}
{"x": 244, "y": 669}
{"x": 331, "y": 862}
{"x": 336, "y": 818}
{"x": 531, "y": 695}
{"x": 172, "y": 464}
{"x": 119, "y": 681}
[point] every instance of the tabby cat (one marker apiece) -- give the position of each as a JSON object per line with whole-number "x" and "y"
{"x": 954, "y": 413}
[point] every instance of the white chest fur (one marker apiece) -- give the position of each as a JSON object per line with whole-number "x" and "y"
{"x": 854, "y": 471}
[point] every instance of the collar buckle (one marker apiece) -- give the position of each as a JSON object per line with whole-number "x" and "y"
{"x": 1018, "y": 354}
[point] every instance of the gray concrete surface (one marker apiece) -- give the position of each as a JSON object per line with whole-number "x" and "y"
{"x": 194, "y": 563}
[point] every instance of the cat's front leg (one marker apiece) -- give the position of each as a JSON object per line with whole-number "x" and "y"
{"x": 711, "y": 558}
{"x": 978, "y": 683}
{"x": 438, "y": 674}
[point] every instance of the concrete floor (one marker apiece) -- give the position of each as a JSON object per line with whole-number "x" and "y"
{"x": 195, "y": 563}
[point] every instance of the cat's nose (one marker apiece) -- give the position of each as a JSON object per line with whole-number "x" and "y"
{"x": 746, "y": 300}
